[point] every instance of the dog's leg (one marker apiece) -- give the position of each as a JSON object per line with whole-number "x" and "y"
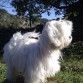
{"x": 29, "y": 79}
{"x": 10, "y": 74}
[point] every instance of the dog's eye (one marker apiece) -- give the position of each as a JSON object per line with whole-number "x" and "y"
{"x": 70, "y": 37}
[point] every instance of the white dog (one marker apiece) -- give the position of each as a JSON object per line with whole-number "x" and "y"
{"x": 37, "y": 59}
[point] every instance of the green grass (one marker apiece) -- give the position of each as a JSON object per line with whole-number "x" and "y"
{"x": 71, "y": 72}
{"x": 69, "y": 77}
{"x": 2, "y": 71}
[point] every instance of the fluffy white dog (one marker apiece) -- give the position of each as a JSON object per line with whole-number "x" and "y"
{"x": 37, "y": 59}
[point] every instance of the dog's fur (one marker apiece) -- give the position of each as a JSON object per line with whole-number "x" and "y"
{"x": 37, "y": 59}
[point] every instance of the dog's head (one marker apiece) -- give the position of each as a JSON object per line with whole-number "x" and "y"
{"x": 59, "y": 33}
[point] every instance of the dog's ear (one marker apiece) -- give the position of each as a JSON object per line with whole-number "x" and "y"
{"x": 54, "y": 33}
{"x": 56, "y": 43}
{"x": 55, "y": 37}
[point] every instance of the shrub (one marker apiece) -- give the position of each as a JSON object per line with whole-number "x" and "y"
{"x": 75, "y": 50}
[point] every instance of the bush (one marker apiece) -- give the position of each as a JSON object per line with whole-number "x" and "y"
{"x": 75, "y": 50}
{"x": 7, "y": 20}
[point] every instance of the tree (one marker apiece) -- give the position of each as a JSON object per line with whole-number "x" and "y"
{"x": 29, "y": 8}
{"x": 60, "y": 6}
{"x": 75, "y": 14}
{"x": 23, "y": 6}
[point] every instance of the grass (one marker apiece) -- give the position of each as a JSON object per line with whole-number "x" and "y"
{"x": 71, "y": 71}
{"x": 2, "y": 70}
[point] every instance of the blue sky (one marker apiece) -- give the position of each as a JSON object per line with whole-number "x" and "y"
{"x": 10, "y": 9}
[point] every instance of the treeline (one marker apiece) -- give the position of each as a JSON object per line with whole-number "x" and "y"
{"x": 14, "y": 21}
{"x": 11, "y": 21}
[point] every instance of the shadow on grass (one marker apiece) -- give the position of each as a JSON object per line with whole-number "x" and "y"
{"x": 1, "y": 60}
{"x": 20, "y": 79}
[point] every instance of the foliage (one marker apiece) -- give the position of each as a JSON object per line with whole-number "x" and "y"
{"x": 74, "y": 9}
{"x": 34, "y": 8}
{"x": 11, "y": 21}
{"x": 3, "y": 11}
{"x": 8, "y": 20}
{"x": 75, "y": 50}
{"x": 75, "y": 14}
{"x": 29, "y": 8}
{"x": 59, "y": 5}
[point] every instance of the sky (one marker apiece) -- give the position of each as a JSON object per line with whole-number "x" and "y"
{"x": 10, "y": 9}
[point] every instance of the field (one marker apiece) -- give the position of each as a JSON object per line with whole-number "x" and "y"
{"x": 71, "y": 71}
